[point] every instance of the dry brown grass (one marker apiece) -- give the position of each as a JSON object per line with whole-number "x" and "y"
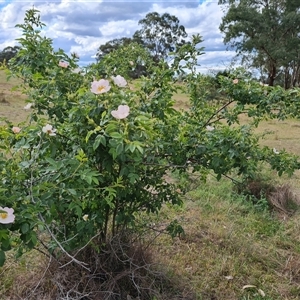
{"x": 279, "y": 134}
{"x": 282, "y": 135}
{"x": 281, "y": 198}
{"x": 11, "y": 102}
{"x": 119, "y": 270}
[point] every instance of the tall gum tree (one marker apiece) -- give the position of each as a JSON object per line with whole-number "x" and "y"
{"x": 161, "y": 34}
{"x": 268, "y": 33}
{"x": 111, "y": 46}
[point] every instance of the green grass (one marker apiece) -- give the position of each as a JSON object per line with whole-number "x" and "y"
{"x": 228, "y": 243}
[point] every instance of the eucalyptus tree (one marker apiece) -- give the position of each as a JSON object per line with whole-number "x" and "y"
{"x": 266, "y": 32}
{"x": 112, "y": 45}
{"x": 160, "y": 34}
{"x": 8, "y": 52}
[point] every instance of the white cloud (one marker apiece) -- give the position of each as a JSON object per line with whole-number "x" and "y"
{"x": 82, "y": 26}
{"x": 215, "y": 61}
{"x": 118, "y": 28}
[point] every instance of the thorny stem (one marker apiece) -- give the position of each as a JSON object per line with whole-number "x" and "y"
{"x": 215, "y": 113}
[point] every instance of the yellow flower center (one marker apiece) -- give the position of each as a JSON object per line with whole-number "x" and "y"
{"x": 3, "y": 215}
{"x": 100, "y": 88}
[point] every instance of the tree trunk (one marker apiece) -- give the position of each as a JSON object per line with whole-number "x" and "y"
{"x": 272, "y": 75}
{"x": 295, "y": 78}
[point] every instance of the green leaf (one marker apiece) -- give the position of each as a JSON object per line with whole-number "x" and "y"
{"x": 113, "y": 153}
{"x": 133, "y": 177}
{"x": 142, "y": 118}
{"x": 97, "y": 142}
{"x": 5, "y": 245}
{"x": 103, "y": 140}
{"x": 51, "y": 161}
{"x": 95, "y": 179}
{"x": 4, "y": 234}
{"x": 116, "y": 135}
{"x": 24, "y": 228}
{"x": 2, "y": 258}
{"x": 72, "y": 192}
{"x": 140, "y": 149}
{"x": 119, "y": 149}
{"x": 75, "y": 207}
{"x": 100, "y": 139}
{"x": 33, "y": 240}
{"x": 175, "y": 229}
{"x": 130, "y": 147}
{"x": 88, "y": 135}
{"x": 110, "y": 128}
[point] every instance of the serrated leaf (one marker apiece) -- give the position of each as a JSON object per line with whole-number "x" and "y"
{"x": 140, "y": 149}
{"x": 141, "y": 118}
{"x": 95, "y": 179}
{"x": 103, "y": 140}
{"x": 97, "y": 142}
{"x": 130, "y": 147}
{"x": 116, "y": 135}
{"x": 110, "y": 128}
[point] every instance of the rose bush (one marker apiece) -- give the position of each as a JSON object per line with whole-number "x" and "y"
{"x": 95, "y": 152}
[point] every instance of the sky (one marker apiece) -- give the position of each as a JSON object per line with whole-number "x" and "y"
{"x": 82, "y": 26}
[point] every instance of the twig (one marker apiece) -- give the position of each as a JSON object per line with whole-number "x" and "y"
{"x": 220, "y": 109}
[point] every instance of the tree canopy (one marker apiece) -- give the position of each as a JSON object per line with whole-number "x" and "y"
{"x": 129, "y": 60}
{"x": 112, "y": 45}
{"x": 8, "y": 52}
{"x": 266, "y": 33}
{"x": 161, "y": 34}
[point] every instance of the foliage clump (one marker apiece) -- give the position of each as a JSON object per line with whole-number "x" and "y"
{"x": 265, "y": 35}
{"x": 266, "y": 194}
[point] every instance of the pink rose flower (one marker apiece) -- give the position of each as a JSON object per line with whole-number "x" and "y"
{"x": 119, "y": 81}
{"x": 100, "y": 87}
{"x": 63, "y": 64}
{"x": 121, "y": 113}
{"x": 49, "y": 130}
{"x": 16, "y": 129}
{"x": 6, "y": 215}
